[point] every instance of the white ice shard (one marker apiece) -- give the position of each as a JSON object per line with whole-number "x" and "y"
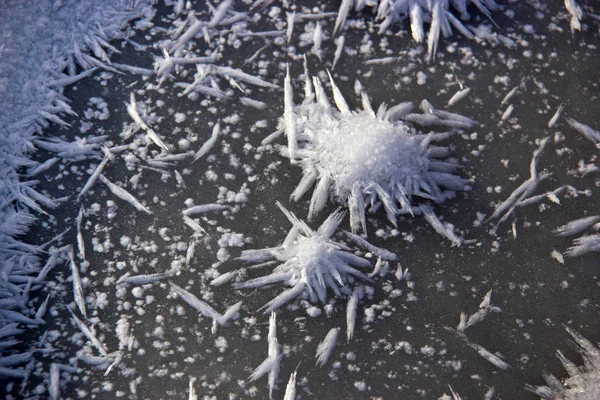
{"x": 326, "y": 347}
{"x": 205, "y": 309}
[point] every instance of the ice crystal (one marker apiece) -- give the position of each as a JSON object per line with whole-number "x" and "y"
{"x": 310, "y": 261}
{"x": 583, "y": 382}
{"x": 438, "y": 13}
{"x": 365, "y": 159}
{"x": 586, "y": 243}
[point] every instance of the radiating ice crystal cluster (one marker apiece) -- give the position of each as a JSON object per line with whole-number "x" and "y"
{"x": 583, "y": 382}
{"x": 587, "y": 243}
{"x": 366, "y": 159}
{"x": 309, "y": 261}
{"x": 439, "y": 14}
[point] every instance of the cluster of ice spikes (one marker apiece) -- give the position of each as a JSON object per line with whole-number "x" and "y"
{"x": 310, "y": 261}
{"x": 438, "y": 13}
{"x": 586, "y": 243}
{"x": 367, "y": 159}
{"x": 583, "y": 382}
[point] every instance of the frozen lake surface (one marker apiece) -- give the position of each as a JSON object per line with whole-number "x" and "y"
{"x": 183, "y": 112}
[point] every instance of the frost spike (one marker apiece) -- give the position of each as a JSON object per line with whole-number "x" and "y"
{"x": 494, "y": 359}
{"x": 576, "y": 14}
{"x": 77, "y": 287}
{"x": 356, "y": 205}
{"x": 124, "y": 195}
{"x": 80, "y": 241}
{"x": 340, "y": 102}
{"x": 366, "y": 104}
{"x": 294, "y": 220}
{"x": 198, "y": 229}
{"x": 88, "y": 333}
{"x": 288, "y": 115}
{"x": 351, "y": 315}
{"x": 307, "y": 181}
{"x": 262, "y": 369}
{"x": 192, "y": 390}
{"x": 41, "y": 310}
{"x": 319, "y": 197}
{"x": 145, "y": 279}
{"x": 434, "y": 30}
{"x": 342, "y": 14}
{"x": 576, "y": 226}
{"x": 330, "y": 225}
{"x": 568, "y": 365}
{"x": 320, "y": 93}
{"x": 220, "y": 13}
{"x": 458, "y": 96}
{"x": 156, "y": 139}
{"x": 338, "y": 50}
{"x": 210, "y": 142}
{"x": 205, "y": 309}
{"x": 204, "y": 208}
{"x": 466, "y": 32}
{"x": 590, "y": 134}
{"x": 308, "y": 87}
{"x": 230, "y": 313}
{"x": 416, "y": 21}
{"x": 290, "y": 18}
{"x": 506, "y": 115}
{"x": 556, "y": 116}
{"x": 440, "y": 227}
{"x": 132, "y": 111}
{"x": 325, "y": 348}
{"x": 223, "y": 278}
{"x": 242, "y": 76}
{"x": 290, "y": 389}
{"x": 54, "y": 387}
{"x": 273, "y": 353}
{"x": 524, "y": 190}
{"x": 378, "y": 251}
{"x": 484, "y": 10}
{"x": 284, "y": 297}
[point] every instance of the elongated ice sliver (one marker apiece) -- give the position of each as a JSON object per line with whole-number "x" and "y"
{"x": 458, "y": 96}
{"x": 209, "y": 143}
{"x": 124, "y": 195}
{"x": 325, "y": 348}
{"x": 288, "y": 115}
{"x": 556, "y": 116}
{"x": 577, "y": 226}
{"x": 351, "y": 315}
{"x": 290, "y": 389}
{"x": 204, "y": 208}
{"x": 77, "y": 286}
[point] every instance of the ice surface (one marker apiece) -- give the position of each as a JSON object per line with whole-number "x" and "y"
{"x": 223, "y": 63}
